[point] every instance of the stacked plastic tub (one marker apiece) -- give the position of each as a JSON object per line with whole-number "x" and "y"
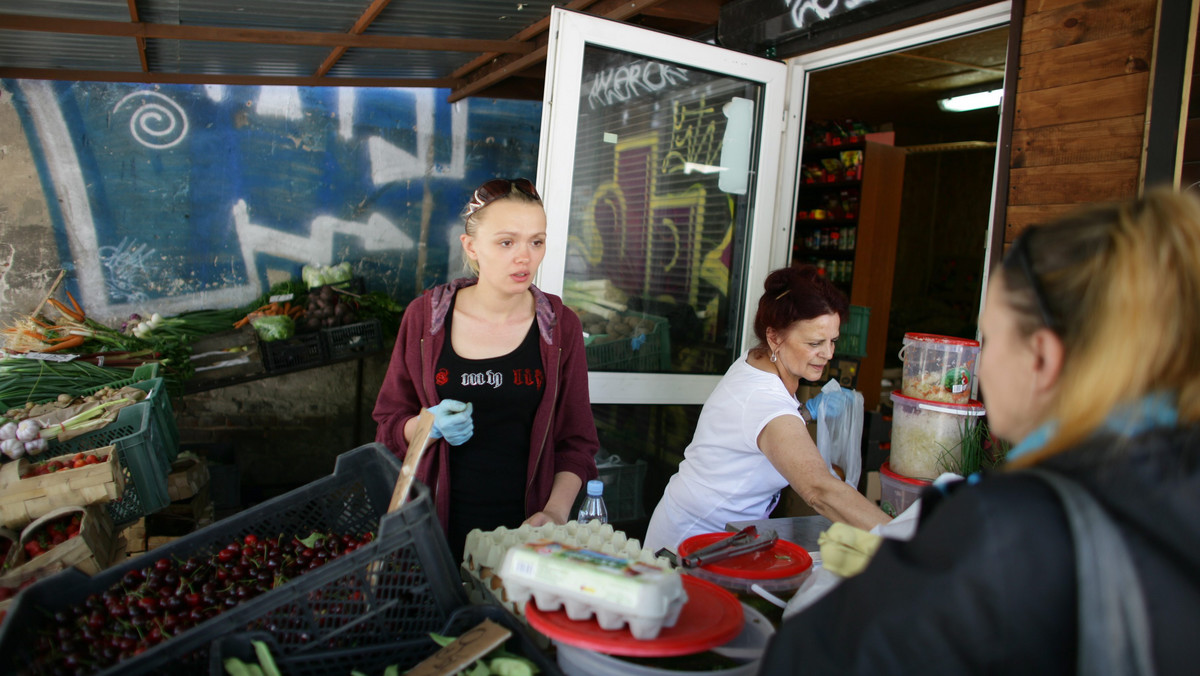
{"x": 932, "y": 413}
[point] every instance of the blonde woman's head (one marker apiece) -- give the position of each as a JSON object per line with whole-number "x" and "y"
{"x": 1116, "y": 290}
{"x": 520, "y": 190}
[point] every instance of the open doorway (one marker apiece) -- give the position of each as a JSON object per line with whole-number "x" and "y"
{"x": 949, "y": 170}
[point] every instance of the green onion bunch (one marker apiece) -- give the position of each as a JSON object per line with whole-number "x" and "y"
{"x": 34, "y": 380}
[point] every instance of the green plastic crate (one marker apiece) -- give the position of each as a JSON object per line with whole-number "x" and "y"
{"x": 853, "y": 340}
{"x": 133, "y": 436}
{"x": 167, "y": 431}
{"x": 160, "y": 402}
{"x": 146, "y": 438}
{"x": 649, "y": 352}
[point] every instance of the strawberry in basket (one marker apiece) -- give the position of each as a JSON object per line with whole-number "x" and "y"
{"x": 58, "y": 464}
{"x": 54, "y": 533}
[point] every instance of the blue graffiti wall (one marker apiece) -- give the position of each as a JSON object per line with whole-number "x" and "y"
{"x": 177, "y": 197}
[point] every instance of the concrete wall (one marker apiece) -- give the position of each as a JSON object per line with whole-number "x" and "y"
{"x": 174, "y": 198}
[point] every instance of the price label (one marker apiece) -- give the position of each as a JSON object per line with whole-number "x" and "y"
{"x": 47, "y": 356}
{"x": 470, "y": 646}
{"x": 282, "y": 298}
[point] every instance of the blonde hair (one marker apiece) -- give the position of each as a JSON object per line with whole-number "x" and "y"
{"x": 482, "y": 198}
{"x": 1121, "y": 284}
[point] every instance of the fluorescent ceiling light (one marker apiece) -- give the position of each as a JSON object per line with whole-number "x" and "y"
{"x": 958, "y": 104}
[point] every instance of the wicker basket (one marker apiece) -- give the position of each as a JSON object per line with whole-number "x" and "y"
{"x": 24, "y": 499}
{"x": 90, "y": 551}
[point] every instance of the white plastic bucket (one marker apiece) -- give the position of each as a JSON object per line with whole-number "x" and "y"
{"x": 927, "y": 435}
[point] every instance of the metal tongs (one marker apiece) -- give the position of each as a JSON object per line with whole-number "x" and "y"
{"x": 745, "y": 541}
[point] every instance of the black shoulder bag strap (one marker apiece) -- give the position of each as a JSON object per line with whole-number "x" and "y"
{"x": 1114, "y": 629}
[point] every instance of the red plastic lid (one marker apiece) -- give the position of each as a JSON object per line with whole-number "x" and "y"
{"x": 886, "y": 470}
{"x": 784, "y": 559}
{"x": 971, "y": 408}
{"x": 710, "y": 617}
{"x": 944, "y": 340}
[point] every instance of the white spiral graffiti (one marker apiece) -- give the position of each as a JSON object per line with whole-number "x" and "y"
{"x": 157, "y": 122}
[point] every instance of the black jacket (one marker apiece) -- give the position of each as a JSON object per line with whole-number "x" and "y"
{"x": 987, "y": 585}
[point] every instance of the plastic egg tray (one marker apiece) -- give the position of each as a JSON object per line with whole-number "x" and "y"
{"x": 618, "y": 591}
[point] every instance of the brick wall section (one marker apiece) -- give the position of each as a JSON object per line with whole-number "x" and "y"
{"x": 287, "y": 430}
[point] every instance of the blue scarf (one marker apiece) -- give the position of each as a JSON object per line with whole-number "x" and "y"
{"x": 1128, "y": 420}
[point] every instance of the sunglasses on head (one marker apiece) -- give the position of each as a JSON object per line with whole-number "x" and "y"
{"x": 497, "y": 188}
{"x": 1019, "y": 254}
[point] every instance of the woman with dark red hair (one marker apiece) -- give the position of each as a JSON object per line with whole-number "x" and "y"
{"x": 751, "y": 440}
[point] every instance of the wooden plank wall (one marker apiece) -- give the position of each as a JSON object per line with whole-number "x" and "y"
{"x": 1082, "y": 90}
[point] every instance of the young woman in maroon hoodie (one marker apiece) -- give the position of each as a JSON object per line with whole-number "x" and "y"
{"x": 502, "y": 367}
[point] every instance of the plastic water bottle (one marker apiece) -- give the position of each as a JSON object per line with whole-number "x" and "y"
{"x": 593, "y": 507}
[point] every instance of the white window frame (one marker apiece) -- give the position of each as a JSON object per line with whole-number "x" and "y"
{"x": 570, "y": 32}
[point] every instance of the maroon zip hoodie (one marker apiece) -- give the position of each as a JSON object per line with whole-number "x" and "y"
{"x": 563, "y": 437}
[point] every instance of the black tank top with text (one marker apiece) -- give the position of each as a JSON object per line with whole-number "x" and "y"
{"x": 488, "y": 472}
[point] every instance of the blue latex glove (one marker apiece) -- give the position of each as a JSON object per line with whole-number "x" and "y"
{"x": 835, "y": 402}
{"x": 452, "y": 421}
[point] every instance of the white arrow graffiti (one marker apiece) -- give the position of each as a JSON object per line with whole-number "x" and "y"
{"x": 378, "y": 233}
{"x": 392, "y": 164}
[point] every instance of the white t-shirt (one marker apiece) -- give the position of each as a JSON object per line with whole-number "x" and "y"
{"x": 724, "y": 476}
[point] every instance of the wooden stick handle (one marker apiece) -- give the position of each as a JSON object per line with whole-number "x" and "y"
{"x": 408, "y": 471}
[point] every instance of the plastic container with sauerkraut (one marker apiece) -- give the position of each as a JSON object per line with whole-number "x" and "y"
{"x": 938, "y": 368}
{"x": 927, "y": 435}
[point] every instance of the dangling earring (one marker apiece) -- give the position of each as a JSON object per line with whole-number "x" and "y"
{"x": 774, "y": 357}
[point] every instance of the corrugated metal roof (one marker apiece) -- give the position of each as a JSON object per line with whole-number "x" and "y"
{"x": 20, "y": 49}
{"x": 474, "y": 19}
{"x": 104, "y": 10}
{"x": 475, "y": 44}
{"x": 238, "y": 58}
{"x": 336, "y": 16}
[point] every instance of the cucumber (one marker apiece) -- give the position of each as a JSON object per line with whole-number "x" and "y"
{"x": 265, "y": 659}
{"x": 512, "y": 666}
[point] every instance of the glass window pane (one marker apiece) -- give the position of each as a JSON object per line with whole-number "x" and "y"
{"x": 659, "y": 212}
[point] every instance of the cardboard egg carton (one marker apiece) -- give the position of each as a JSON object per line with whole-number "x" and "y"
{"x": 485, "y": 551}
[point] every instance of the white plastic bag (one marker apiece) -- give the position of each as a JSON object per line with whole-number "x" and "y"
{"x": 839, "y": 430}
{"x": 819, "y": 583}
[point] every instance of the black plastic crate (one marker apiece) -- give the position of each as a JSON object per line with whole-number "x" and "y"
{"x": 352, "y": 340}
{"x": 301, "y": 351}
{"x": 392, "y": 589}
{"x": 373, "y": 660}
